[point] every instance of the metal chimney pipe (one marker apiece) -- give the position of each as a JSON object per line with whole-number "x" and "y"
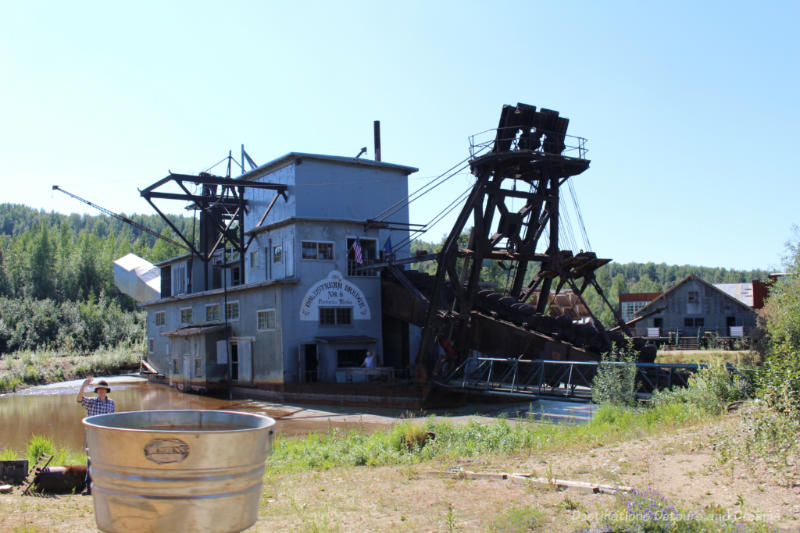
{"x": 377, "y": 132}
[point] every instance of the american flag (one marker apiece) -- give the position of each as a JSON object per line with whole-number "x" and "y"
{"x": 357, "y": 252}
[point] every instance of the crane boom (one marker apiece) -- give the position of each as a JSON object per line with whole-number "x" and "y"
{"x": 122, "y": 218}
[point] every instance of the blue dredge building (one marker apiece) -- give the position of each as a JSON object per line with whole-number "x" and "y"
{"x": 296, "y": 305}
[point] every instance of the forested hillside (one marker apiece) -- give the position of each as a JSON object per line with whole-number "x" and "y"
{"x": 56, "y": 278}
{"x": 57, "y": 289}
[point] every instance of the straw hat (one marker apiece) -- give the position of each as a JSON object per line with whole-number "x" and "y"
{"x": 102, "y": 384}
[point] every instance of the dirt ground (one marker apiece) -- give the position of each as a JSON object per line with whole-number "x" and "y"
{"x": 681, "y": 465}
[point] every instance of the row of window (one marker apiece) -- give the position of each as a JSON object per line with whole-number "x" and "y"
{"x": 694, "y": 322}
{"x": 266, "y": 318}
{"x": 212, "y": 314}
{"x": 323, "y": 251}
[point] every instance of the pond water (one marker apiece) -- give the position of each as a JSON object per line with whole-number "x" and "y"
{"x": 51, "y": 410}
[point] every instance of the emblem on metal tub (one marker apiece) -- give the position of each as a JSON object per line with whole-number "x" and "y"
{"x": 163, "y": 451}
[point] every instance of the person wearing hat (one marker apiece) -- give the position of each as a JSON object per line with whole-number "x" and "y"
{"x": 100, "y": 405}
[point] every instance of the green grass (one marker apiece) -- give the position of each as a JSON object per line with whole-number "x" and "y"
{"x": 518, "y": 519}
{"x": 61, "y": 455}
{"x": 322, "y": 451}
{"x": 734, "y": 357}
{"x": 7, "y": 454}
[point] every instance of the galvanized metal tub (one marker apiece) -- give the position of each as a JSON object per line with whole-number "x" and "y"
{"x": 178, "y": 470}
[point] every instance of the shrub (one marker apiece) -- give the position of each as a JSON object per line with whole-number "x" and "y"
{"x": 615, "y": 381}
{"x": 778, "y": 382}
{"x": 710, "y": 389}
{"x": 38, "y": 445}
{"x": 61, "y": 456}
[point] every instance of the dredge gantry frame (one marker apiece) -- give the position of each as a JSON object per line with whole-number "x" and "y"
{"x": 526, "y": 162}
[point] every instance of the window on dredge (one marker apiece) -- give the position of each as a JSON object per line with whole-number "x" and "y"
{"x": 320, "y": 251}
{"x": 232, "y": 311}
{"x": 212, "y": 312}
{"x": 266, "y": 319}
{"x": 335, "y": 316}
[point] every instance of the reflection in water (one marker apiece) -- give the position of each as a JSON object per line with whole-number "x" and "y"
{"x": 52, "y": 411}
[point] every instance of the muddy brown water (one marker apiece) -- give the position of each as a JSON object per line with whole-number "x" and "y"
{"x": 53, "y": 412}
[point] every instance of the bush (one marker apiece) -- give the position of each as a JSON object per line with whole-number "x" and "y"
{"x": 710, "y": 389}
{"x": 27, "y": 324}
{"x": 615, "y": 381}
{"x": 778, "y": 382}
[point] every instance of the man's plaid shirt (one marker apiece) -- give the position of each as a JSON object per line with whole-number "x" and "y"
{"x": 95, "y": 407}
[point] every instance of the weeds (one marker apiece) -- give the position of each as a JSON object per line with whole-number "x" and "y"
{"x": 710, "y": 389}
{"x": 615, "y": 381}
{"x": 390, "y": 447}
{"x": 518, "y": 519}
{"x": 569, "y": 505}
{"x": 61, "y": 455}
{"x": 650, "y": 511}
{"x": 7, "y": 454}
{"x": 778, "y": 382}
{"x": 763, "y": 441}
{"x": 551, "y": 478}
{"x": 450, "y": 518}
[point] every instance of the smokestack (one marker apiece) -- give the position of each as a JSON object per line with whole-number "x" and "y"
{"x": 377, "y": 130}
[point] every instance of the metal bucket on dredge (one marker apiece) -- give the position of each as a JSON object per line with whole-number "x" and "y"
{"x": 177, "y": 470}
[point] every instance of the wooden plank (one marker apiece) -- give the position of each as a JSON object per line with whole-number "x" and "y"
{"x": 558, "y": 484}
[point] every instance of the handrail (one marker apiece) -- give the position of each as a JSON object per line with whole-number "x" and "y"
{"x": 545, "y": 377}
{"x": 573, "y": 146}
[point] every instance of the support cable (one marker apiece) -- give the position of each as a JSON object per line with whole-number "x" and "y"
{"x": 417, "y": 233}
{"x": 454, "y": 170}
{"x": 566, "y": 225}
{"x": 580, "y": 217}
{"x": 217, "y": 163}
{"x": 422, "y": 191}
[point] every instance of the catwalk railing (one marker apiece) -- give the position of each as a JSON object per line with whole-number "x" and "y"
{"x": 566, "y": 380}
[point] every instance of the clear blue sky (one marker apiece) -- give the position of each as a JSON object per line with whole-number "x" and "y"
{"x": 690, "y": 108}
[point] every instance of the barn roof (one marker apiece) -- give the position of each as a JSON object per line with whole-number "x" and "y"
{"x": 691, "y": 277}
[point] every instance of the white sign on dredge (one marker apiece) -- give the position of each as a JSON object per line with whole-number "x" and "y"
{"x": 334, "y": 291}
